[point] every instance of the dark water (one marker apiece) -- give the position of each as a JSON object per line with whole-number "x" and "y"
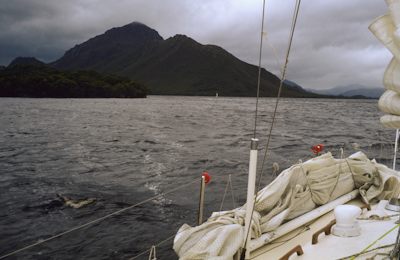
{"x": 122, "y": 151}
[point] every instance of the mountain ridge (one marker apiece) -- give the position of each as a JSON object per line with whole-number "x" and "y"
{"x": 178, "y": 65}
{"x": 26, "y": 61}
{"x": 351, "y": 90}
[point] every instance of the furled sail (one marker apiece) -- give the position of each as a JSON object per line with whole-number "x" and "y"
{"x": 387, "y": 29}
{"x": 296, "y": 191}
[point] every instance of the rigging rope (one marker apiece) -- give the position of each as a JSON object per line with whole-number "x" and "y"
{"x": 294, "y": 21}
{"x": 233, "y": 195}
{"x": 158, "y": 244}
{"x": 374, "y": 242}
{"x": 228, "y": 185}
{"x": 211, "y": 109}
{"x": 97, "y": 220}
{"x": 153, "y": 255}
{"x": 365, "y": 252}
{"x": 396, "y": 249}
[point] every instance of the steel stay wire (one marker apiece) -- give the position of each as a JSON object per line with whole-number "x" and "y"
{"x": 259, "y": 70}
{"x": 294, "y": 21}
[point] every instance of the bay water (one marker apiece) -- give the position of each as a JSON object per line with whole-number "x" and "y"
{"x": 124, "y": 151}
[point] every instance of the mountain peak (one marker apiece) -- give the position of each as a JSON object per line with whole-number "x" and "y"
{"x": 133, "y": 32}
{"x": 183, "y": 40}
{"x": 127, "y": 40}
{"x": 180, "y": 36}
{"x": 136, "y": 23}
{"x": 25, "y": 61}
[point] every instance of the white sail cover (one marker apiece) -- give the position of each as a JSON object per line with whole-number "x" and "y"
{"x": 297, "y": 190}
{"x": 387, "y": 29}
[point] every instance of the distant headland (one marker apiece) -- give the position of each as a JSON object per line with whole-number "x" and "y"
{"x": 29, "y": 77}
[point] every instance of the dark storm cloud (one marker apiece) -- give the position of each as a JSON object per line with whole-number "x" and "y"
{"x": 36, "y": 28}
{"x": 332, "y": 44}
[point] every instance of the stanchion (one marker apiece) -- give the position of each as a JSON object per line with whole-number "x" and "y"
{"x": 205, "y": 178}
{"x": 201, "y": 200}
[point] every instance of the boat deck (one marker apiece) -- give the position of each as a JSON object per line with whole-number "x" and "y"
{"x": 331, "y": 246}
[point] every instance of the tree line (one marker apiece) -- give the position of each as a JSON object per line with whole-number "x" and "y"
{"x": 44, "y": 81}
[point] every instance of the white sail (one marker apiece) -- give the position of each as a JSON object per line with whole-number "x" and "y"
{"x": 387, "y": 29}
{"x": 389, "y": 102}
{"x": 391, "y": 121}
{"x": 391, "y": 79}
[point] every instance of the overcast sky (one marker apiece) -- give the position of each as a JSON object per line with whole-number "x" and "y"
{"x": 332, "y": 44}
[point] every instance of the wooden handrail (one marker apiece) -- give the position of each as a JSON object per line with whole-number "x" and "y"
{"x": 297, "y": 249}
{"x": 366, "y": 206}
{"x": 326, "y": 230}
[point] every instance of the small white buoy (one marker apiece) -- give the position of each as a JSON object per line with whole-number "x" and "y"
{"x": 275, "y": 168}
{"x": 355, "y": 146}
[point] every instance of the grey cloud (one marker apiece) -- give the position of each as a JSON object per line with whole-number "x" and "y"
{"x": 332, "y": 44}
